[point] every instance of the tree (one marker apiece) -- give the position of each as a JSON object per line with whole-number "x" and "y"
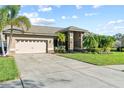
{"x": 61, "y": 38}
{"x": 3, "y": 23}
{"x": 106, "y": 42}
{"x": 98, "y": 43}
{"x": 16, "y": 21}
{"x": 90, "y": 41}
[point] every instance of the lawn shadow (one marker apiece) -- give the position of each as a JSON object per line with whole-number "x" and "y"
{"x": 32, "y": 84}
{"x": 22, "y": 84}
{"x": 11, "y": 84}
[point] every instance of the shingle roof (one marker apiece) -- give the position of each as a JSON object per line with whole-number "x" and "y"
{"x": 46, "y": 30}
{"x": 73, "y": 28}
{"x": 36, "y": 30}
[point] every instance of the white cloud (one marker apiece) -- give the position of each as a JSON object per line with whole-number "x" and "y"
{"x": 64, "y": 17}
{"x": 110, "y": 22}
{"x": 42, "y": 21}
{"x": 115, "y": 22}
{"x": 90, "y": 14}
{"x": 97, "y": 6}
{"x": 69, "y": 17}
{"x": 74, "y": 17}
{"x": 36, "y": 20}
{"x": 30, "y": 15}
{"x": 119, "y": 27}
{"x": 78, "y": 6}
{"x": 112, "y": 27}
{"x": 58, "y": 6}
{"x": 44, "y": 8}
{"x": 120, "y": 21}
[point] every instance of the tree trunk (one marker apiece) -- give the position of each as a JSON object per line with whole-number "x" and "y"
{"x": 10, "y": 40}
{"x": 2, "y": 44}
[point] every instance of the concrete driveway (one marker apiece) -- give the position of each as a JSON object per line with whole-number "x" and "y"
{"x": 52, "y": 71}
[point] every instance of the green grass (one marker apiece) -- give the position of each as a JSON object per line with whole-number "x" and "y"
{"x": 8, "y": 69}
{"x": 97, "y": 59}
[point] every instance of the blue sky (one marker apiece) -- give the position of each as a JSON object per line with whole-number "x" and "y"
{"x": 107, "y": 20}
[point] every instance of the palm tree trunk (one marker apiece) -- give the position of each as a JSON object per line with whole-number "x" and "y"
{"x": 10, "y": 40}
{"x": 2, "y": 44}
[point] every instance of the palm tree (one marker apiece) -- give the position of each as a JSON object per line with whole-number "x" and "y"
{"x": 105, "y": 42}
{"x": 90, "y": 41}
{"x": 3, "y": 23}
{"x": 61, "y": 38}
{"x": 16, "y": 21}
{"x": 108, "y": 42}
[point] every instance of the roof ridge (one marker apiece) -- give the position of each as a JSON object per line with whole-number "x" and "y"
{"x": 46, "y": 26}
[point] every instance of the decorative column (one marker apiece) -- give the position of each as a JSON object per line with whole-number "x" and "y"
{"x": 78, "y": 41}
{"x": 81, "y": 41}
{"x": 70, "y": 41}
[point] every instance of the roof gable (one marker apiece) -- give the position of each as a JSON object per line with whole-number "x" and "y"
{"x": 73, "y": 28}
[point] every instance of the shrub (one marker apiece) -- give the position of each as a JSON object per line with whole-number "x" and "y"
{"x": 100, "y": 50}
{"x": 107, "y": 50}
{"x": 60, "y": 49}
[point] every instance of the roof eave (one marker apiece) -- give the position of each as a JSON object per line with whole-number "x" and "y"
{"x": 31, "y": 34}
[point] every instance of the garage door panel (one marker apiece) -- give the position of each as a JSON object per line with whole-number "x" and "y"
{"x": 30, "y": 46}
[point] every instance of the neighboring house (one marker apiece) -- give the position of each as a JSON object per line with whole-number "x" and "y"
{"x": 42, "y": 39}
{"x": 122, "y": 41}
{"x": 119, "y": 43}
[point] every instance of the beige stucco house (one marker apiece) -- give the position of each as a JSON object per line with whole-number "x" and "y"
{"x": 41, "y": 39}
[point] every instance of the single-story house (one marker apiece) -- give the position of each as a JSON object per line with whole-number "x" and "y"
{"x": 42, "y": 39}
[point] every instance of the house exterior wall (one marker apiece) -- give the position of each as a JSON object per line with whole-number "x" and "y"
{"x": 122, "y": 42}
{"x": 78, "y": 40}
{"x": 49, "y": 40}
{"x": 75, "y": 40}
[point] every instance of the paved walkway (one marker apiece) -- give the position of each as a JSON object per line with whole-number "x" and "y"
{"x": 51, "y": 71}
{"x": 116, "y": 67}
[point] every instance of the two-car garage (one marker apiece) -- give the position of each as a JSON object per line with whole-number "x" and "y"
{"x": 30, "y": 46}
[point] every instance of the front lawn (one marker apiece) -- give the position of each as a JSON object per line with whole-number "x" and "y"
{"x": 98, "y": 59}
{"x": 8, "y": 69}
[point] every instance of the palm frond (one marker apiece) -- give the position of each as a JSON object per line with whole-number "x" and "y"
{"x": 22, "y": 22}
{"x": 13, "y": 11}
{"x": 3, "y": 18}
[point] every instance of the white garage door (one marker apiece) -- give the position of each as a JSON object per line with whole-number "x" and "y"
{"x": 30, "y": 46}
